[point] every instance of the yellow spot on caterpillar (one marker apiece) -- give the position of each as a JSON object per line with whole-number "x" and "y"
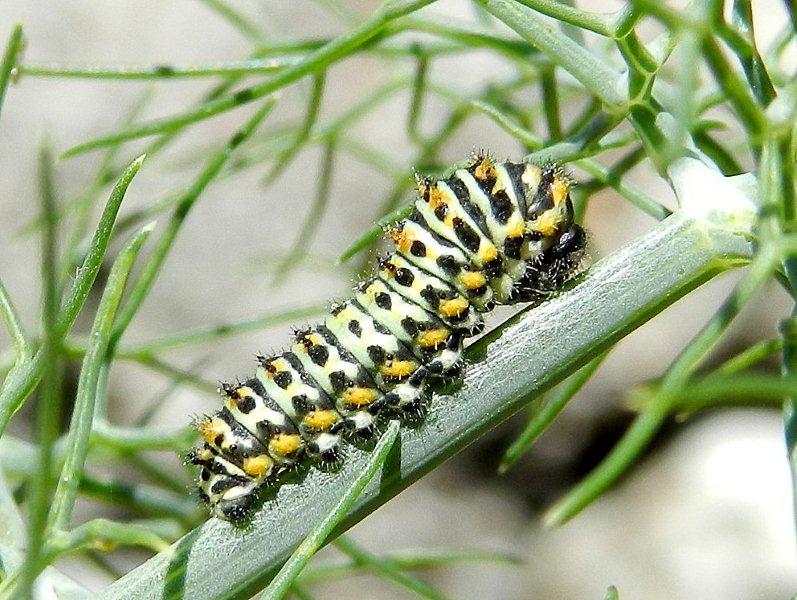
{"x": 399, "y": 368}
{"x": 516, "y": 229}
{"x": 473, "y": 280}
{"x": 243, "y": 392}
{"x": 433, "y": 338}
{"x": 485, "y": 169}
{"x": 238, "y": 394}
{"x": 559, "y": 189}
{"x": 436, "y": 198}
{"x": 284, "y": 444}
{"x": 454, "y": 307}
{"x": 211, "y": 429}
{"x": 320, "y": 420}
{"x": 498, "y": 187}
{"x": 360, "y": 396}
{"x": 258, "y": 466}
{"x": 546, "y": 224}
{"x": 204, "y": 454}
{"x": 401, "y": 238}
{"x": 488, "y": 253}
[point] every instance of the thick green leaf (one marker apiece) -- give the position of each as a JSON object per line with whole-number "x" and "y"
{"x": 530, "y": 353}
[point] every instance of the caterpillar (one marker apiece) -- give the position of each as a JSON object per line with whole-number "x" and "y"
{"x": 490, "y": 233}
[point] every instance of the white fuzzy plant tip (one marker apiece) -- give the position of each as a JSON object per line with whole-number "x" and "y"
{"x": 704, "y": 194}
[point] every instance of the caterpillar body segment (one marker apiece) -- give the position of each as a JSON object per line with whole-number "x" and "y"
{"x": 432, "y": 294}
{"x": 339, "y": 374}
{"x": 307, "y": 405}
{"x": 490, "y": 233}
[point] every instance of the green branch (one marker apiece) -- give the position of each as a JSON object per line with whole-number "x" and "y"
{"x": 524, "y": 356}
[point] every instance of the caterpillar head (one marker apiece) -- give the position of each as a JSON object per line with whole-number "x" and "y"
{"x": 549, "y": 213}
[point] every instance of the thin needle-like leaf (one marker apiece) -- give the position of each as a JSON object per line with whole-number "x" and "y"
{"x": 255, "y": 66}
{"x": 211, "y": 334}
{"x": 13, "y": 49}
{"x": 281, "y": 583}
{"x": 23, "y": 380}
{"x": 83, "y": 412}
{"x": 407, "y": 561}
{"x": 641, "y": 432}
{"x": 308, "y": 229}
{"x": 240, "y": 22}
{"x": 544, "y": 416}
{"x": 186, "y": 201}
{"x": 303, "y": 134}
{"x": 14, "y": 325}
{"x": 590, "y": 70}
{"x": 387, "y": 570}
{"x": 49, "y": 405}
{"x": 315, "y": 62}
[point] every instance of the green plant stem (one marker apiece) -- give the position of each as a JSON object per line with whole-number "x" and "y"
{"x": 387, "y": 570}
{"x": 635, "y": 196}
{"x": 645, "y": 426}
{"x": 83, "y": 412}
{"x": 612, "y": 593}
{"x": 16, "y": 388}
{"x": 749, "y": 357}
{"x": 750, "y": 388}
{"x": 256, "y": 66}
{"x": 152, "y": 268}
{"x": 160, "y": 366}
{"x": 84, "y": 203}
{"x": 601, "y": 24}
{"x": 49, "y": 404}
{"x": 313, "y": 220}
{"x": 303, "y": 134}
{"x": 317, "y": 537}
{"x": 550, "y": 100}
{"x": 415, "y": 560}
{"x": 741, "y": 39}
{"x": 788, "y": 330}
{"x": 542, "y": 417}
{"x": 739, "y": 95}
{"x": 300, "y": 592}
{"x": 143, "y": 499}
{"x": 16, "y": 332}
{"x": 315, "y": 62}
{"x": 158, "y": 475}
{"x": 142, "y": 438}
{"x": 103, "y": 535}
{"x": 418, "y": 95}
{"x": 593, "y": 73}
{"x": 206, "y": 335}
{"x": 13, "y": 49}
{"x": 241, "y": 23}
{"x": 18, "y": 458}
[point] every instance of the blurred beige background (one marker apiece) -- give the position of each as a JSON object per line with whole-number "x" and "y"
{"x": 706, "y": 515}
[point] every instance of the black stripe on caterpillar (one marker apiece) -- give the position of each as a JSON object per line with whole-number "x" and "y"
{"x": 491, "y": 233}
